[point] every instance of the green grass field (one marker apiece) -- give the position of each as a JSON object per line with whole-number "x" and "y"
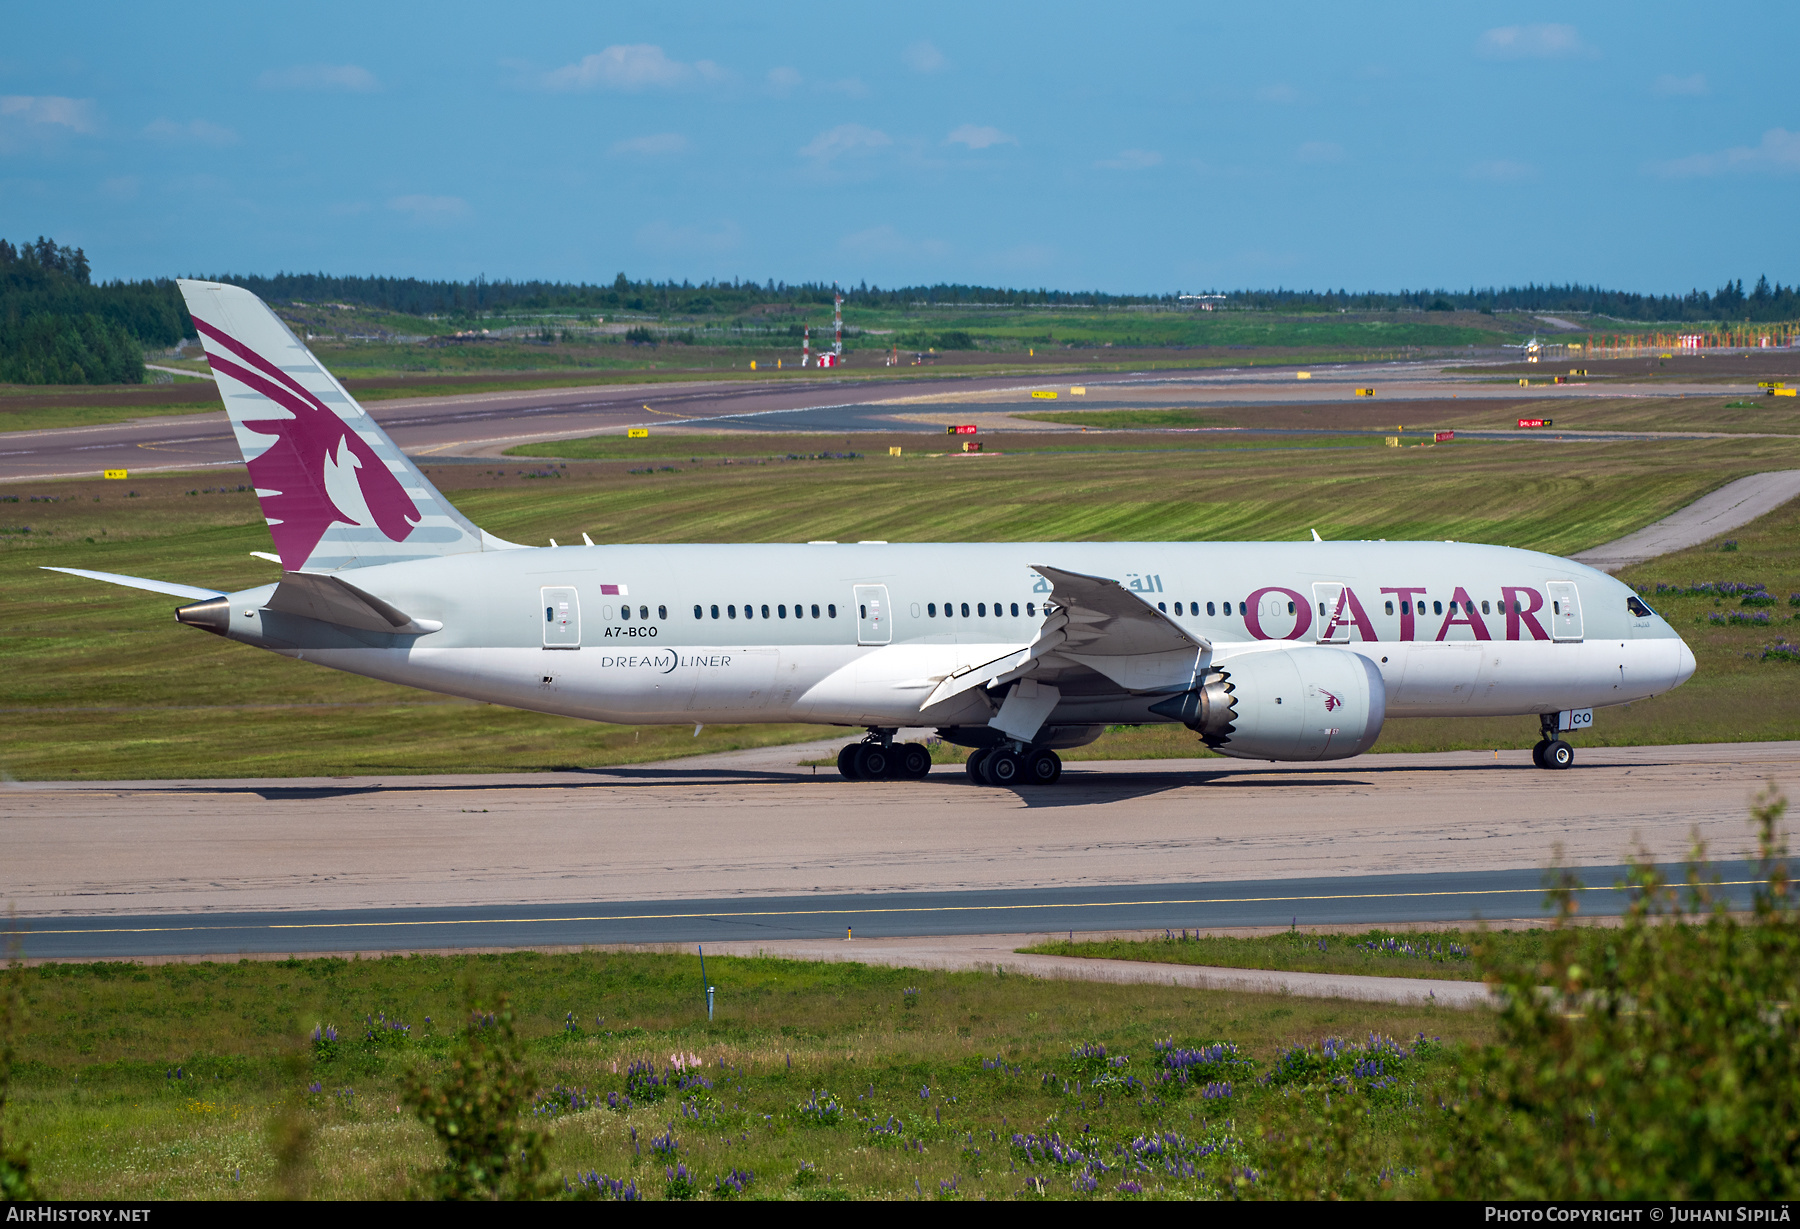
{"x": 1445, "y": 955}
{"x": 1734, "y": 414}
{"x": 165, "y": 1082}
{"x": 101, "y": 683}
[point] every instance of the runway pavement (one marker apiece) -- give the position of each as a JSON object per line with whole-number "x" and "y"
{"x": 756, "y": 847}
{"x": 487, "y": 424}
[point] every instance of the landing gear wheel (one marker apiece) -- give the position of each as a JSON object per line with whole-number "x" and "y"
{"x": 913, "y": 761}
{"x": 1043, "y": 767}
{"x": 1537, "y": 753}
{"x": 873, "y": 761}
{"x": 973, "y": 765}
{"x": 847, "y": 761}
{"x": 1003, "y": 766}
{"x": 1559, "y": 754}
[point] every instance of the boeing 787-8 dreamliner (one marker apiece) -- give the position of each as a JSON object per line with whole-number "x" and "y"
{"x": 1266, "y": 650}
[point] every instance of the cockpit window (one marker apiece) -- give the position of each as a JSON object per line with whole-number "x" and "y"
{"x": 1636, "y": 606}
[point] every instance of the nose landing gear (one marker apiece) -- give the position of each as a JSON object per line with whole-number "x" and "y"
{"x": 1551, "y": 751}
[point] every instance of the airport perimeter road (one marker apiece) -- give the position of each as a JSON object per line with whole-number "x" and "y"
{"x": 487, "y": 424}
{"x": 754, "y": 832}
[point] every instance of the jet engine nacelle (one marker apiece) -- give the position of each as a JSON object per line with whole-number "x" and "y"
{"x": 1301, "y": 703}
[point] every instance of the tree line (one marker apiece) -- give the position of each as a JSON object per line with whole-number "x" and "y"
{"x": 418, "y": 296}
{"x": 57, "y": 327}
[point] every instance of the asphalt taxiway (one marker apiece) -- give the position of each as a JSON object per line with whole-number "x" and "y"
{"x": 755, "y": 846}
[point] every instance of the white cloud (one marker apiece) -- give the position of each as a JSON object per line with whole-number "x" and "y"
{"x": 1779, "y": 153}
{"x": 1132, "y": 160}
{"x": 437, "y": 210}
{"x": 977, "y": 137}
{"x": 633, "y": 66}
{"x": 199, "y": 131}
{"x": 657, "y": 144}
{"x": 1279, "y": 92}
{"x": 784, "y": 80}
{"x": 844, "y": 139}
{"x": 1670, "y": 86}
{"x": 1538, "y": 42}
{"x": 346, "y": 78}
{"x": 1502, "y": 170}
{"x": 76, "y": 114}
{"x": 922, "y": 57}
{"x": 1320, "y": 153}
{"x": 663, "y": 236}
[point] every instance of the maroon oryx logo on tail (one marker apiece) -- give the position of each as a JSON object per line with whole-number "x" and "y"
{"x": 318, "y": 472}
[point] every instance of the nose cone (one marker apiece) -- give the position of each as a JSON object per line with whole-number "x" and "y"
{"x": 1684, "y": 663}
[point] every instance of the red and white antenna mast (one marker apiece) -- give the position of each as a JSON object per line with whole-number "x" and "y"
{"x": 837, "y": 320}
{"x": 805, "y": 345}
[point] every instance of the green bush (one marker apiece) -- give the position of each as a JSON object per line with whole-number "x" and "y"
{"x": 15, "y": 1160}
{"x": 474, "y": 1106}
{"x": 1660, "y": 1060}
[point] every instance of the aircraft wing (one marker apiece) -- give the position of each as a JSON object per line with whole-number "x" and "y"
{"x": 331, "y": 599}
{"x": 1092, "y": 624}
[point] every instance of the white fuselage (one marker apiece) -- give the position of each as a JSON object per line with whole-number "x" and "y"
{"x": 862, "y": 634}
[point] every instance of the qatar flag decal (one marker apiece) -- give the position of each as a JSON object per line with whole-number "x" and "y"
{"x": 614, "y": 591}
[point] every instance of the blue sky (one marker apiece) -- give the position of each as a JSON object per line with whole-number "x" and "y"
{"x": 1150, "y": 148}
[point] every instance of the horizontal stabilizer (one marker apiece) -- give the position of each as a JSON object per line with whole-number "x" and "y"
{"x": 331, "y": 600}
{"x": 192, "y": 592}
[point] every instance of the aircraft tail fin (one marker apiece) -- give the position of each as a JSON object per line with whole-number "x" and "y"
{"x": 336, "y": 491}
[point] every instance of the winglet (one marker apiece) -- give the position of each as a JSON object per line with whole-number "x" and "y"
{"x": 1316, "y": 537}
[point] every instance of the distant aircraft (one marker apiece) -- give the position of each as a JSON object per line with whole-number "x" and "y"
{"x": 1269, "y": 651}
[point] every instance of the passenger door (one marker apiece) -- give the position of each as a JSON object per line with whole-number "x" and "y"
{"x": 1326, "y": 597}
{"x": 562, "y": 617}
{"x": 874, "y": 618}
{"x": 1565, "y": 610}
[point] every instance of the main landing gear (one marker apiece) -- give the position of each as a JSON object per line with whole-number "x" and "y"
{"x": 1551, "y": 751}
{"x": 879, "y": 757}
{"x": 1009, "y": 765}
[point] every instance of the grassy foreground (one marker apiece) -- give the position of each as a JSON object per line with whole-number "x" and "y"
{"x": 819, "y": 1080}
{"x": 1445, "y": 955}
{"x": 101, "y": 683}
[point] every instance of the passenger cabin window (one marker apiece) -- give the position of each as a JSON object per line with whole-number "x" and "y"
{"x": 749, "y": 611}
{"x": 981, "y": 609}
{"x": 1484, "y": 606}
{"x": 731, "y": 612}
{"x": 1015, "y": 610}
{"x": 1163, "y": 606}
{"x": 1390, "y": 606}
{"x": 1177, "y": 607}
{"x": 698, "y": 613}
{"x": 1209, "y": 608}
{"x": 862, "y": 612}
{"x": 965, "y": 608}
{"x": 1437, "y": 608}
{"x": 815, "y": 610}
{"x": 625, "y": 613}
{"x": 715, "y": 612}
{"x": 1030, "y": 610}
{"x": 931, "y": 610}
{"x": 781, "y": 612}
{"x": 1290, "y": 608}
{"x": 830, "y": 610}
